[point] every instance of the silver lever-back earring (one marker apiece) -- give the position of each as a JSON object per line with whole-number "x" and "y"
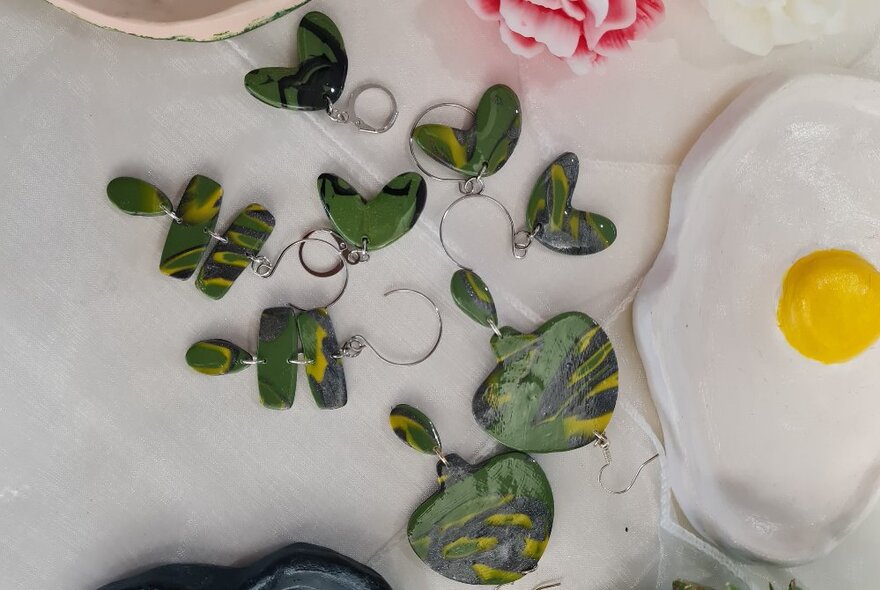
{"x": 318, "y": 81}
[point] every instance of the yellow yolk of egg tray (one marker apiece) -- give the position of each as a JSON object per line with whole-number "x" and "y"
{"x": 829, "y": 309}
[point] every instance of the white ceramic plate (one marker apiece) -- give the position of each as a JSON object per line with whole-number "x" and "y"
{"x": 184, "y": 20}
{"x": 771, "y": 455}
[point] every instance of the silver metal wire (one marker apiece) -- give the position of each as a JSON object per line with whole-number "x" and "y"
{"x": 519, "y": 247}
{"x": 412, "y": 145}
{"x": 603, "y": 443}
{"x": 349, "y": 113}
{"x": 264, "y": 268}
{"x": 355, "y": 345}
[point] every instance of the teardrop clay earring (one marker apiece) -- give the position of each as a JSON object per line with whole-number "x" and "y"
{"x": 289, "y": 338}
{"x": 489, "y": 523}
{"x": 317, "y": 83}
{"x": 552, "y": 390}
{"x": 192, "y": 230}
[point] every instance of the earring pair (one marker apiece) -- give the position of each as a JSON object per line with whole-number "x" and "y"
{"x": 289, "y": 338}
{"x": 483, "y": 149}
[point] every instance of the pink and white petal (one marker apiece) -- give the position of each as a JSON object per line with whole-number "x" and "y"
{"x": 621, "y": 14}
{"x": 585, "y": 61}
{"x": 551, "y": 4}
{"x": 553, "y": 28}
{"x": 519, "y": 45}
{"x": 649, "y": 13}
{"x": 599, "y": 9}
{"x": 485, "y": 9}
{"x": 576, "y": 9}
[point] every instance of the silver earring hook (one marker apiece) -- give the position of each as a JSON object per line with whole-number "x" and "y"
{"x": 264, "y": 268}
{"x": 519, "y": 245}
{"x": 412, "y": 143}
{"x": 349, "y": 113}
{"x": 358, "y": 343}
{"x": 603, "y": 443}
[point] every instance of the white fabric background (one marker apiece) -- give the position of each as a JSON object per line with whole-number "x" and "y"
{"x": 115, "y": 456}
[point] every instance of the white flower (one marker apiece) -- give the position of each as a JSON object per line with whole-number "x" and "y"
{"x": 758, "y": 26}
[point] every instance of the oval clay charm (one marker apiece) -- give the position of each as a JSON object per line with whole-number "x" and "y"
{"x": 415, "y": 429}
{"x": 217, "y": 357}
{"x": 472, "y": 296}
{"x": 137, "y": 197}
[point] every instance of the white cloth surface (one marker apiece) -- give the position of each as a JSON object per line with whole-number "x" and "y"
{"x": 115, "y": 456}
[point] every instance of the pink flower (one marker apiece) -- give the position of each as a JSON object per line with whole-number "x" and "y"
{"x": 581, "y": 32}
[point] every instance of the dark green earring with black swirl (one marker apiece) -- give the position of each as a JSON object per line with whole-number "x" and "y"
{"x": 317, "y": 83}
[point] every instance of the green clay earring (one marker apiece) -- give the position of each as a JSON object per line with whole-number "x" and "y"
{"x": 318, "y": 81}
{"x": 360, "y": 226}
{"x": 192, "y": 231}
{"x": 552, "y": 390}
{"x": 477, "y": 152}
{"x": 489, "y": 523}
{"x": 289, "y": 338}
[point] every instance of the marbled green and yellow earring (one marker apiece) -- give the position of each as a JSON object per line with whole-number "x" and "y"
{"x": 290, "y": 337}
{"x": 489, "y": 523}
{"x": 554, "y": 389}
{"x": 318, "y": 81}
{"x": 192, "y": 230}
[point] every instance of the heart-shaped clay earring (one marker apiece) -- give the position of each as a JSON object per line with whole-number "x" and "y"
{"x": 361, "y": 226}
{"x": 555, "y": 223}
{"x": 318, "y": 81}
{"x": 192, "y": 230}
{"x": 379, "y": 222}
{"x": 484, "y": 148}
{"x": 553, "y": 389}
{"x": 489, "y": 523}
{"x": 550, "y": 219}
{"x": 289, "y": 338}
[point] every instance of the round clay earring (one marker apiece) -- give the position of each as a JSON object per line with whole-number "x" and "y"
{"x": 489, "y": 523}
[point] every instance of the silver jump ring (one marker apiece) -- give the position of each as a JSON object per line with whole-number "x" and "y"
{"x": 494, "y": 328}
{"x": 174, "y": 217}
{"x": 216, "y": 236}
{"x": 300, "y": 360}
{"x": 254, "y": 361}
{"x": 412, "y": 146}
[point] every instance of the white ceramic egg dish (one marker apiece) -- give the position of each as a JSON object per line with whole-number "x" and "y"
{"x": 187, "y": 20}
{"x": 771, "y": 455}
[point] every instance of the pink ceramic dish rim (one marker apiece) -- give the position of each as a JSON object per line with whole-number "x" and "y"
{"x": 235, "y": 20}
